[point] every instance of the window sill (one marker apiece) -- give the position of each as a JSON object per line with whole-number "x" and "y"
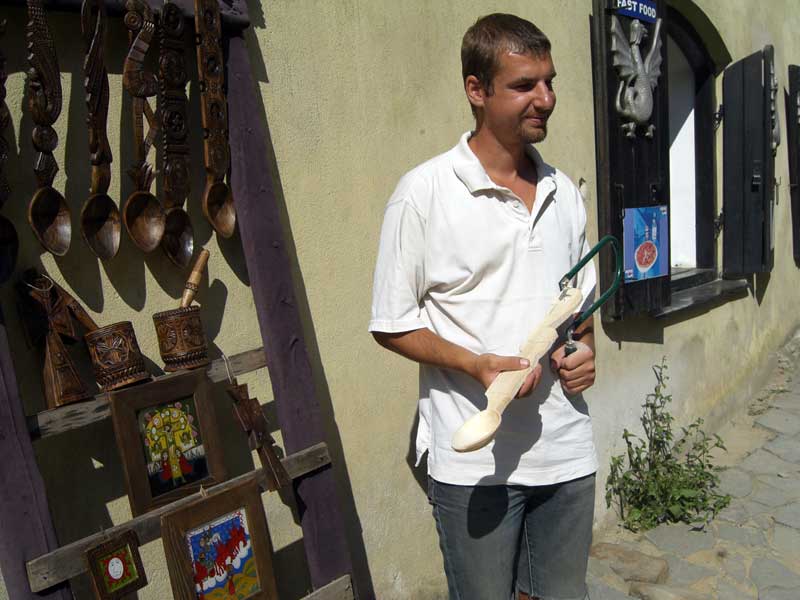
{"x": 684, "y": 278}
{"x": 705, "y": 295}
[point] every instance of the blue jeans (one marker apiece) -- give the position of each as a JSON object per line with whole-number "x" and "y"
{"x": 498, "y": 539}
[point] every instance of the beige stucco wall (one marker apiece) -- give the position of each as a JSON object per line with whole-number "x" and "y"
{"x": 357, "y": 93}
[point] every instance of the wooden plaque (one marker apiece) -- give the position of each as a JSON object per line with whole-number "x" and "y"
{"x": 115, "y": 567}
{"x": 167, "y": 438}
{"x": 219, "y": 546}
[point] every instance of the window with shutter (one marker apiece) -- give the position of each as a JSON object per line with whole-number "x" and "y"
{"x": 793, "y": 143}
{"x": 631, "y": 126}
{"x": 750, "y": 140}
{"x": 674, "y": 169}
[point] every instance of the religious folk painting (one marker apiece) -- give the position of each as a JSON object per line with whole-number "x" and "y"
{"x": 173, "y": 445}
{"x": 167, "y": 438}
{"x": 218, "y": 547}
{"x": 223, "y": 564}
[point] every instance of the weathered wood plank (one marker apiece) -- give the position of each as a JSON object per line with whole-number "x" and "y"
{"x": 340, "y": 589}
{"x": 66, "y": 418}
{"x": 60, "y": 565}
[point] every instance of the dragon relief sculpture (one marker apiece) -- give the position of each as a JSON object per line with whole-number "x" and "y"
{"x": 638, "y": 76}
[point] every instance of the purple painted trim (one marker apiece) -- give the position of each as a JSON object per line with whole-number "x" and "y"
{"x": 26, "y": 528}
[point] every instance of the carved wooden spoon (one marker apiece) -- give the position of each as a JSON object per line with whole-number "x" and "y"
{"x": 142, "y": 214}
{"x": 178, "y": 240}
{"x": 217, "y": 198}
{"x": 480, "y": 429}
{"x": 48, "y": 213}
{"x": 100, "y": 219}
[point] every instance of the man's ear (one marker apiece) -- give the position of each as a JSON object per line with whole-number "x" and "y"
{"x": 476, "y": 93}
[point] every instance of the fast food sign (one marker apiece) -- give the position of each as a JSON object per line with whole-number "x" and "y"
{"x": 644, "y": 10}
{"x": 645, "y": 243}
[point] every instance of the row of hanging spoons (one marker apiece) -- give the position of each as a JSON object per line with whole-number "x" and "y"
{"x": 147, "y": 222}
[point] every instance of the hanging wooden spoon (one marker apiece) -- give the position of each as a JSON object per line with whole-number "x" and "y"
{"x": 178, "y": 241}
{"x": 217, "y": 197}
{"x": 480, "y": 429}
{"x": 100, "y": 220}
{"x": 142, "y": 214}
{"x": 9, "y": 242}
{"x": 48, "y": 213}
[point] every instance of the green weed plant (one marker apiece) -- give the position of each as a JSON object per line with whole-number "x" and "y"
{"x": 666, "y": 480}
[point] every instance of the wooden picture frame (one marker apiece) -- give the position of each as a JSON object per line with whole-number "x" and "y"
{"x": 212, "y": 534}
{"x": 115, "y": 567}
{"x": 172, "y": 416}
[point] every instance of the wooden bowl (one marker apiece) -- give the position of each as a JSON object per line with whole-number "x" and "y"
{"x": 178, "y": 240}
{"x": 218, "y": 208}
{"x": 51, "y": 221}
{"x": 144, "y": 220}
{"x": 100, "y": 226}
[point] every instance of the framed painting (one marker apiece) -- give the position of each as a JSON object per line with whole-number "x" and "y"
{"x": 167, "y": 438}
{"x": 218, "y": 547}
{"x": 115, "y": 567}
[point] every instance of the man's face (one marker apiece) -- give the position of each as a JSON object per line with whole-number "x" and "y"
{"x": 522, "y": 98}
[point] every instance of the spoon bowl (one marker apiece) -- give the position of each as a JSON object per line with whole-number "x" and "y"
{"x": 9, "y": 249}
{"x": 100, "y": 226}
{"x": 218, "y": 208}
{"x": 51, "y": 221}
{"x": 144, "y": 220}
{"x": 178, "y": 240}
{"x": 477, "y": 431}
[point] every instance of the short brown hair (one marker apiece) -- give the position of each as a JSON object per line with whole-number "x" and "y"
{"x": 496, "y": 33}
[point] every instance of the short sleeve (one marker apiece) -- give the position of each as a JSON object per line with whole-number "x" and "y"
{"x": 399, "y": 282}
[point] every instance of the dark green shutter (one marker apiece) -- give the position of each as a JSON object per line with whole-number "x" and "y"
{"x": 631, "y": 172}
{"x": 748, "y": 165}
{"x": 793, "y": 143}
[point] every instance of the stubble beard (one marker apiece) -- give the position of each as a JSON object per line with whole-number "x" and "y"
{"x": 532, "y": 136}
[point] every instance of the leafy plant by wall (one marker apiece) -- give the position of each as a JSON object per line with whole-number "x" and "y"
{"x": 665, "y": 480}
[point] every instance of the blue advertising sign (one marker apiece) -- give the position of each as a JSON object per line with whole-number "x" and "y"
{"x": 645, "y": 242}
{"x": 644, "y": 10}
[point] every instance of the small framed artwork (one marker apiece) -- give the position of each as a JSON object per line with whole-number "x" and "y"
{"x": 218, "y": 547}
{"x": 115, "y": 567}
{"x": 167, "y": 438}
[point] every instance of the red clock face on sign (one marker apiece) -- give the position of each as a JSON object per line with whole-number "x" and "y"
{"x": 646, "y": 255}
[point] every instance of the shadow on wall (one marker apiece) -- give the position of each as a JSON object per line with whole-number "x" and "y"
{"x": 361, "y": 575}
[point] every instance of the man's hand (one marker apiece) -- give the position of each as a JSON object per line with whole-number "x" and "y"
{"x": 488, "y": 366}
{"x": 575, "y": 371}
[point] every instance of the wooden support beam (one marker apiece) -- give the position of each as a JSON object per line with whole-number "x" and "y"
{"x": 339, "y": 589}
{"x": 60, "y": 565}
{"x": 72, "y": 416}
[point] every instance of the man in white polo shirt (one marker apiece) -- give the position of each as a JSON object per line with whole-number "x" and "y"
{"x": 473, "y": 244}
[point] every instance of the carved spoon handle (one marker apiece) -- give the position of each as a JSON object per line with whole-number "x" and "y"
{"x": 44, "y": 92}
{"x": 506, "y": 385}
{"x": 97, "y": 93}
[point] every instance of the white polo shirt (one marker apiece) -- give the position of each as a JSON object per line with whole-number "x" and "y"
{"x": 463, "y": 257}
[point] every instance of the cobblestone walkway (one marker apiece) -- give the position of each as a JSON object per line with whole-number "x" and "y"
{"x": 752, "y": 549}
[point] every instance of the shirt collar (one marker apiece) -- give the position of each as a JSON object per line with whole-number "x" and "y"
{"x": 472, "y": 174}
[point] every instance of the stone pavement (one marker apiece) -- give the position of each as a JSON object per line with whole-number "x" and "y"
{"x": 752, "y": 549}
